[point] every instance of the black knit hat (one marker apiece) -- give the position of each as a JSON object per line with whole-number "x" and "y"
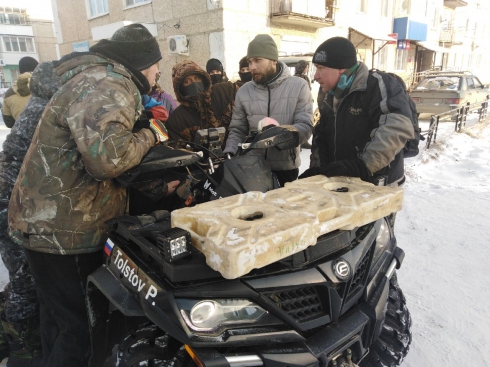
{"x": 243, "y": 63}
{"x": 27, "y": 64}
{"x": 133, "y": 43}
{"x": 214, "y": 64}
{"x": 336, "y": 53}
{"x": 263, "y": 46}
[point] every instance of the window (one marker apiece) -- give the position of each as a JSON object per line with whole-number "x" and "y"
{"x": 405, "y": 6}
{"x": 478, "y": 85}
{"x": 136, "y": 2}
{"x": 401, "y": 59}
{"x": 362, "y": 6}
{"x": 384, "y": 8}
{"x": 382, "y": 58}
{"x": 98, "y": 7}
{"x": 471, "y": 85}
{"x": 13, "y": 18}
{"x": 18, "y": 44}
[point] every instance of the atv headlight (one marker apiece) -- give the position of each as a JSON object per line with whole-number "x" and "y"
{"x": 213, "y": 316}
{"x": 383, "y": 240}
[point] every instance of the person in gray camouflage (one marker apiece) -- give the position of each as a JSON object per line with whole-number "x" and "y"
{"x": 20, "y": 316}
{"x": 66, "y": 189}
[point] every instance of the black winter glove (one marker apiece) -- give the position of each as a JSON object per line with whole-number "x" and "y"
{"x": 346, "y": 167}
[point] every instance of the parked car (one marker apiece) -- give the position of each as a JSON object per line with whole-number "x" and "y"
{"x": 440, "y": 92}
{"x": 291, "y": 62}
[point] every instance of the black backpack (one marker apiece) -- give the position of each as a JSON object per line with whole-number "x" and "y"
{"x": 411, "y": 148}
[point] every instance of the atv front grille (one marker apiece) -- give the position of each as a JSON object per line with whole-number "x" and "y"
{"x": 302, "y": 303}
{"x": 359, "y": 279}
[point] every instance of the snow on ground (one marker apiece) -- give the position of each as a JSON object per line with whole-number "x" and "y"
{"x": 442, "y": 228}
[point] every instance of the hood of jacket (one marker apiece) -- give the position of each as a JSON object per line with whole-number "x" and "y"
{"x": 22, "y": 86}
{"x": 284, "y": 73}
{"x": 76, "y": 62}
{"x": 183, "y": 69}
{"x": 45, "y": 81}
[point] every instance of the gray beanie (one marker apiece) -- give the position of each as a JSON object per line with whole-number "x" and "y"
{"x": 336, "y": 53}
{"x": 263, "y": 46}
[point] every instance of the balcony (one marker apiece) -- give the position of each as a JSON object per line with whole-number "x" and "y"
{"x": 453, "y": 4}
{"x": 311, "y": 13}
{"x": 450, "y": 36}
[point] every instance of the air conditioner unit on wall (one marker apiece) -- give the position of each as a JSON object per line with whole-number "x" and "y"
{"x": 178, "y": 45}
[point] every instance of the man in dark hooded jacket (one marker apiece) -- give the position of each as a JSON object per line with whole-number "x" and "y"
{"x": 16, "y": 97}
{"x": 201, "y": 107}
{"x": 20, "y": 319}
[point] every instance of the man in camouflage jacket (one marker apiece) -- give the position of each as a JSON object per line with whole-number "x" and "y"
{"x": 66, "y": 190}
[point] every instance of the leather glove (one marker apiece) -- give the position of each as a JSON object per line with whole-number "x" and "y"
{"x": 346, "y": 167}
{"x": 159, "y": 129}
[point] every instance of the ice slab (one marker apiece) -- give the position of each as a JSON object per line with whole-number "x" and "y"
{"x": 252, "y": 230}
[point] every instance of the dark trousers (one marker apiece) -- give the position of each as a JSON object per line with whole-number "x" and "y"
{"x": 286, "y": 176}
{"x": 61, "y": 281}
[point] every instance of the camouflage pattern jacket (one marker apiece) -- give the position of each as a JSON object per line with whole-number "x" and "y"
{"x": 66, "y": 190}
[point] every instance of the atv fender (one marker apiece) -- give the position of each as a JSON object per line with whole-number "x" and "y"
{"x": 115, "y": 292}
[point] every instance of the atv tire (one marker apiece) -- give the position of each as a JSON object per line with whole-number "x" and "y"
{"x": 393, "y": 343}
{"x": 146, "y": 346}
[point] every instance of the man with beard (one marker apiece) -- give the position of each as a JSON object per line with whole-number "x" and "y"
{"x": 273, "y": 97}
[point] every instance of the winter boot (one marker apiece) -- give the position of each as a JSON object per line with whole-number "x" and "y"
{"x": 4, "y": 343}
{"x": 24, "y": 342}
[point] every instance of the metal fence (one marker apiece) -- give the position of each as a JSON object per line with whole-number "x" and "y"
{"x": 458, "y": 115}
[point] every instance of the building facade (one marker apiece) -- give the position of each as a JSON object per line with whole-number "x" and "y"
{"x": 403, "y": 36}
{"x": 21, "y": 36}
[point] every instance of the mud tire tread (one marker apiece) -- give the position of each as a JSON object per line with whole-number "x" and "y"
{"x": 393, "y": 343}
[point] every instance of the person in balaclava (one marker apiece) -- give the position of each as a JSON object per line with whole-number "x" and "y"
{"x": 245, "y": 73}
{"x": 201, "y": 106}
{"x": 16, "y": 97}
{"x": 159, "y": 95}
{"x": 66, "y": 190}
{"x": 214, "y": 68}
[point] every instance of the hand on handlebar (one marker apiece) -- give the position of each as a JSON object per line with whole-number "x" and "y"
{"x": 171, "y": 186}
{"x": 265, "y": 122}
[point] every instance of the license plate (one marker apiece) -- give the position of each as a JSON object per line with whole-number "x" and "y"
{"x": 132, "y": 277}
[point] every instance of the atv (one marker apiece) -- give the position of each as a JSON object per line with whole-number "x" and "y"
{"x": 155, "y": 301}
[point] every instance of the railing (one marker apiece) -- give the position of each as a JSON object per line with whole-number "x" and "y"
{"x": 5, "y": 84}
{"x": 461, "y": 113}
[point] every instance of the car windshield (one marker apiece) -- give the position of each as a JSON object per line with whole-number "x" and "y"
{"x": 440, "y": 83}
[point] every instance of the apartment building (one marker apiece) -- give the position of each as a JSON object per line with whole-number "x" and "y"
{"x": 403, "y": 36}
{"x": 21, "y": 36}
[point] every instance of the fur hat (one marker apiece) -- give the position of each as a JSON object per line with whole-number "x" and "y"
{"x": 336, "y": 53}
{"x": 27, "y": 64}
{"x": 263, "y": 46}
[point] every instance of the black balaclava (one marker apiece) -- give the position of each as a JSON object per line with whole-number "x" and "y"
{"x": 192, "y": 89}
{"x": 247, "y": 76}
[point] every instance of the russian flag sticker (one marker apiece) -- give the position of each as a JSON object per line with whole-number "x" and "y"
{"x": 109, "y": 245}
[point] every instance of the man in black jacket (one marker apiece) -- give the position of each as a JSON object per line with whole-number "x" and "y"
{"x": 365, "y": 120}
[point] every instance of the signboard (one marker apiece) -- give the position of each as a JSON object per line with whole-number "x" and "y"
{"x": 80, "y": 47}
{"x": 393, "y": 35}
{"x": 401, "y": 44}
